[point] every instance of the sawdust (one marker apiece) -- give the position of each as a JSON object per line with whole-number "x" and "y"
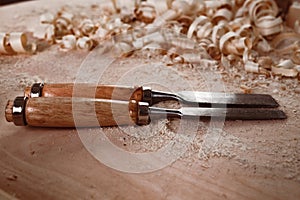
{"x": 148, "y": 138}
{"x": 20, "y": 80}
{"x": 208, "y": 143}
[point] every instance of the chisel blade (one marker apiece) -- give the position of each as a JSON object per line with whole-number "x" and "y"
{"x": 217, "y": 99}
{"x": 233, "y": 113}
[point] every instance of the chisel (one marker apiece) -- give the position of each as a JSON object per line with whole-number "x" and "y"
{"x": 146, "y": 94}
{"x": 91, "y": 112}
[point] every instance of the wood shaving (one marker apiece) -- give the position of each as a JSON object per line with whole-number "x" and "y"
{"x": 15, "y": 42}
{"x": 252, "y": 67}
{"x": 293, "y": 15}
{"x": 4, "y": 44}
{"x": 87, "y": 27}
{"x": 145, "y": 12}
{"x": 200, "y": 21}
{"x": 68, "y": 42}
{"x": 285, "y": 68}
{"x": 235, "y": 32}
{"x": 84, "y": 43}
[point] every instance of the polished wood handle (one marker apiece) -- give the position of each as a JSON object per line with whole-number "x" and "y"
{"x": 88, "y": 90}
{"x": 75, "y": 112}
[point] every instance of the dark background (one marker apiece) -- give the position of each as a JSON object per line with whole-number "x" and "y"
{"x": 5, "y": 2}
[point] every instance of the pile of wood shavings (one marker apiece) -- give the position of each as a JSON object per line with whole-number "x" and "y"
{"x": 245, "y": 34}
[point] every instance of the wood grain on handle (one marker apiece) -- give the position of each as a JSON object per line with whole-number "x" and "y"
{"x": 8, "y": 111}
{"x": 63, "y": 111}
{"x": 91, "y": 91}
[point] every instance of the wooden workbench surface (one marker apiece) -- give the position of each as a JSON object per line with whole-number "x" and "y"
{"x": 249, "y": 160}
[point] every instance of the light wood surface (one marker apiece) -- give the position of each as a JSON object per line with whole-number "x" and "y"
{"x": 256, "y": 160}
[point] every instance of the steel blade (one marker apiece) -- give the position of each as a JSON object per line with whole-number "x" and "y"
{"x": 233, "y": 113}
{"x": 217, "y": 99}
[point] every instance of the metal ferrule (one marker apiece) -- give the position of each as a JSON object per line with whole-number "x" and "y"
{"x": 36, "y": 89}
{"x": 143, "y": 113}
{"x": 147, "y": 95}
{"x": 18, "y": 111}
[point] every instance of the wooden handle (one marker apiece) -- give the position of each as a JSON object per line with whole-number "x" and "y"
{"x": 88, "y": 90}
{"x": 8, "y": 111}
{"x": 79, "y": 112}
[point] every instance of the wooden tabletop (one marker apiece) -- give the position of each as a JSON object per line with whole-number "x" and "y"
{"x": 248, "y": 159}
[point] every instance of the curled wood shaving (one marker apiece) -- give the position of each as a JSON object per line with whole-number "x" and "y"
{"x": 225, "y": 40}
{"x": 213, "y": 51}
{"x": 199, "y": 21}
{"x": 4, "y": 44}
{"x": 222, "y": 15}
{"x": 252, "y": 67}
{"x": 18, "y": 42}
{"x": 84, "y": 43}
{"x": 145, "y": 12}
{"x": 263, "y": 46}
{"x": 285, "y": 68}
{"x": 261, "y": 8}
{"x": 87, "y": 27}
{"x": 239, "y": 22}
{"x": 185, "y": 20}
{"x": 205, "y": 30}
{"x": 15, "y": 42}
{"x": 218, "y": 31}
{"x": 269, "y": 25}
{"x": 263, "y": 14}
{"x": 246, "y": 30}
{"x": 68, "y": 42}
